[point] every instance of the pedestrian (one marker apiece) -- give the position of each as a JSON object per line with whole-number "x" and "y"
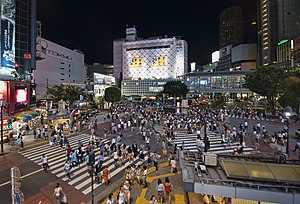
{"x": 297, "y": 146}
{"x": 67, "y": 168}
{"x": 155, "y": 161}
{"x": 160, "y": 190}
{"x": 58, "y": 193}
{"x": 173, "y": 166}
{"x": 105, "y": 174}
{"x": 168, "y": 187}
{"x": 110, "y": 199}
{"x": 144, "y": 176}
{"x": 153, "y": 200}
{"x": 45, "y": 164}
{"x": 126, "y": 188}
{"x": 74, "y": 158}
{"x": 138, "y": 175}
{"x": 121, "y": 196}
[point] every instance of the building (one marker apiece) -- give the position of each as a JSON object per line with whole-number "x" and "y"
{"x": 224, "y": 62}
{"x": 155, "y": 59}
{"x": 212, "y": 84}
{"x": 267, "y": 31}
{"x": 231, "y": 28}
{"x": 100, "y": 83}
{"x": 57, "y": 65}
{"x": 244, "y": 57}
{"x": 106, "y": 69}
{"x": 289, "y": 19}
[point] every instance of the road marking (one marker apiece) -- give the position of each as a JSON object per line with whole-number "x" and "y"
{"x": 26, "y": 175}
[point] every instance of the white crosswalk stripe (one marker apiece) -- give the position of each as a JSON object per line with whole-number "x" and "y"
{"x": 216, "y": 145}
{"x": 79, "y": 174}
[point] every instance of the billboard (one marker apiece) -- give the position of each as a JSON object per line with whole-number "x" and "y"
{"x": 8, "y": 11}
{"x": 297, "y": 43}
{"x": 3, "y": 91}
{"x": 215, "y": 56}
{"x": 19, "y": 96}
{"x": 104, "y": 79}
{"x": 225, "y": 52}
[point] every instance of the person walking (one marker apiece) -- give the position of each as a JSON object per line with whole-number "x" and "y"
{"x": 126, "y": 188}
{"x": 173, "y": 165}
{"x": 168, "y": 186}
{"x": 160, "y": 190}
{"x": 153, "y": 200}
{"x": 105, "y": 174}
{"x": 45, "y": 164}
{"x": 110, "y": 199}
{"x": 121, "y": 196}
{"x": 155, "y": 161}
{"x": 145, "y": 176}
{"x": 67, "y": 168}
{"x": 58, "y": 193}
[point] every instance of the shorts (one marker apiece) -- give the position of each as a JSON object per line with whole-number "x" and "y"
{"x": 160, "y": 193}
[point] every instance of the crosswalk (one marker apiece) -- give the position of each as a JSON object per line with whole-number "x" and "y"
{"x": 216, "y": 145}
{"x": 79, "y": 174}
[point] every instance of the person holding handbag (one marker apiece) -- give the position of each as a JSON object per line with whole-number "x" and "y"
{"x": 59, "y": 194}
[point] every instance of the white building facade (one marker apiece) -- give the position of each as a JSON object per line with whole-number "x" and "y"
{"x": 155, "y": 58}
{"x": 57, "y": 65}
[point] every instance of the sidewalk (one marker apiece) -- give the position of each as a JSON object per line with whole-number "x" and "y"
{"x": 141, "y": 195}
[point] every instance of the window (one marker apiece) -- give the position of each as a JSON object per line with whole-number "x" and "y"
{"x": 69, "y": 70}
{"x": 62, "y": 62}
{"x": 62, "y": 79}
{"x": 69, "y": 65}
{"x": 69, "y": 75}
{"x": 62, "y": 73}
{"x": 62, "y": 68}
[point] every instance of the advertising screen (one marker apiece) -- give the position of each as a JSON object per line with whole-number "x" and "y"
{"x": 8, "y": 33}
{"x": 21, "y": 95}
{"x": 3, "y": 90}
{"x": 104, "y": 79}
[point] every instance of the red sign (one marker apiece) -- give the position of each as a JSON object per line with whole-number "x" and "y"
{"x": 27, "y": 56}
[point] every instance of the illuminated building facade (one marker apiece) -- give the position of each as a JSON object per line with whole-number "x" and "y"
{"x": 267, "y": 31}
{"x": 155, "y": 59}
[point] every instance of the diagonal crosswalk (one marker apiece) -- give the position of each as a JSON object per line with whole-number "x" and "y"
{"x": 80, "y": 177}
{"x": 216, "y": 145}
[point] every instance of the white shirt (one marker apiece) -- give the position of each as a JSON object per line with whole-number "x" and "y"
{"x": 44, "y": 160}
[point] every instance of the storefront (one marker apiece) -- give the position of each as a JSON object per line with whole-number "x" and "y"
{"x": 18, "y": 113}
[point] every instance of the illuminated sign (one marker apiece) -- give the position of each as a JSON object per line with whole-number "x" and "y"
{"x": 21, "y": 95}
{"x": 8, "y": 11}
{"x": 159, "y": 61}
{"x": 104, "y": 79}
{"x": 215, "y": 56}
{"x": 136, "y": 62}
{"x": 3, "y": 90}
{"x": 27, "y": 56}
{"x": 282, "y": 42}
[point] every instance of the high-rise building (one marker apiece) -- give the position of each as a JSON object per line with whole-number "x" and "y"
{"x": 289, "y": 19}
{"x": 267, "y": 15}
{"x": 25, "y": 38}
{"x": 231, "y": 26}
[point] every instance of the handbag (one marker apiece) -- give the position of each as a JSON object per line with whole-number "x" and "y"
{"x": 64, "y": 199}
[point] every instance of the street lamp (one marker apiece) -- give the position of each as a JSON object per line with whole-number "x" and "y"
{"x": 287, "y": 114}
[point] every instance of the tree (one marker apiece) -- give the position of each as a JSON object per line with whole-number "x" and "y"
{"x": 175, "y": 88}
{"x": 112, "y": 94}
{"x": 266, "y": 82}
{"x": 291, "y": 87}
{"x": 67, "y": 93}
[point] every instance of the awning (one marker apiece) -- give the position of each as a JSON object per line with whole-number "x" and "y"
{"x": 26, "y": 115}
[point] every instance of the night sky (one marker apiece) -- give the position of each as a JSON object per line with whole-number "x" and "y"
{"x": 91, "y": 25}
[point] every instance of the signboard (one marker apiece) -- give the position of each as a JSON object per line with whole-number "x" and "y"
{"x": 104, "y": 79}
{"x": 136, "y": 62}
{"x": 8, "y": 11}
{"x": 225, "y": 52}
{"x": 215, "y": 56}
{"x": 159, "y": 61}
{"x": 297, "y": 43}
{"x": 3, "y": 90}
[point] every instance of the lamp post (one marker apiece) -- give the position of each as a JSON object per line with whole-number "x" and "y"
{"x": 287, "y": 114}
